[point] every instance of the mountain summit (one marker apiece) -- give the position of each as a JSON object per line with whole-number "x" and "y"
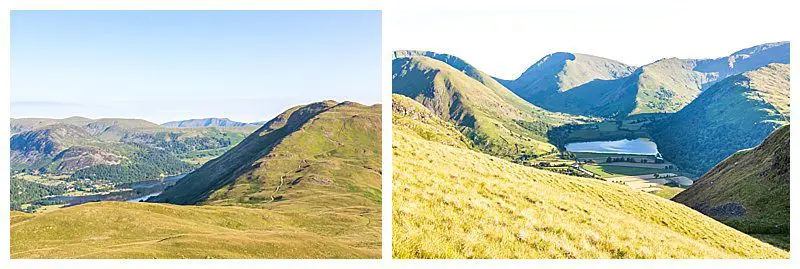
{"x": 563, "y": 71}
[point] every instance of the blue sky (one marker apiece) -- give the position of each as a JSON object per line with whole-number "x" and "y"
{"x": 171, "y": 65}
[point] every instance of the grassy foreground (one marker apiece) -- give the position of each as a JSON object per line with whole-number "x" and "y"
{"x": 453, "y": 202}
{"x": 148, "y": 230}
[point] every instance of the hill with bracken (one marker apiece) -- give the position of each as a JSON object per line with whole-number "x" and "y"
{"x": 749, "y": 190}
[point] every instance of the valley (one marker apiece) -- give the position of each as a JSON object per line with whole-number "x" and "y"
{"x": 65, "y": 162}
{"x": 655, "y": 130}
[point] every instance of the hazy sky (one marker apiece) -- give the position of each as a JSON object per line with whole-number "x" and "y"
{"x": 505, "y": 43}
{"x": 170, "y": 65}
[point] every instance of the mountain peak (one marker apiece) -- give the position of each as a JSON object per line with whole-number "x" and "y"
{"x": 291, "y": 154}
{"x": 562, "y": 71}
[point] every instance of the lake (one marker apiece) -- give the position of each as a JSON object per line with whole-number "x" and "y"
{"x": 639, "y": 146}
{"x": 135, "y": 192}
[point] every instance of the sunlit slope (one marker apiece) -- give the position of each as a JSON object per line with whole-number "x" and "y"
{"x": 322, "y": 154}
{"x": 749, "y": 190}
{"x": 736, "y": 113}
{"x": 496, "y": 120}
{"x": 146, "y": 230}
{"x": 452, "y": 202}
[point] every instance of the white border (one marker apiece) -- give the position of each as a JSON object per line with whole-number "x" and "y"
{"x": 739, "y": 8}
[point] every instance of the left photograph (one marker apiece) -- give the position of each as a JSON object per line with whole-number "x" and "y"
{"x": 195, "y": 134}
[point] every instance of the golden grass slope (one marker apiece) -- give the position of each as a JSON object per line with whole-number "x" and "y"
{"x": 147, "y": 230}
{"x": 452, "y": 202}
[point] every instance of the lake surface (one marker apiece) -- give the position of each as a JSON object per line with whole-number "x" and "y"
{"x": 144, "y": 198}
{"x": 639, "y": 146}
{"x": 138, "y": 191}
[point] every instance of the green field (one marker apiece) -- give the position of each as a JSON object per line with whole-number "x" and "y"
{"x": 606, "y": 171}
{"x": 668, "y": 192}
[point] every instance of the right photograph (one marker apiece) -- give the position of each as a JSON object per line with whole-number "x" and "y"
{"x": 632, "y": 135}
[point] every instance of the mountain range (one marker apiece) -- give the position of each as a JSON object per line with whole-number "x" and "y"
{"x": 566, "y": 89}
{"x": 587, "y": 85}
{"x": 209, "y": 122}
{"x": 66, "y": 146}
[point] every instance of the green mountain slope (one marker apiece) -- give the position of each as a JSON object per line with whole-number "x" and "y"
{"x": 452, "y": 202}
{"x": 600, "y": 87}
{"x": 496, "y": 120}
{"x": 316, "y": 152}
{"x": 749, "y": 190}
{"x": 736, "y": 113}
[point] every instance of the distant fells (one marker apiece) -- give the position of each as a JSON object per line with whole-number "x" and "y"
{"x": 588, "y": 85}
{"x": 135, "y": 149}
{"x": 702, "y": 110}
{"x": 209, "y": 122}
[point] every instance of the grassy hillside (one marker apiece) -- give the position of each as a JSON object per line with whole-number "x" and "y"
{"x": 496, "y": 120}
{"x": 452, "y": 202}
{"x": 605, "y": 88}
{"x": 749, "y": 190}
{"x": 314, "y": 153}
{"x": 146, "y": 230}
{"x": 736, "y": 113}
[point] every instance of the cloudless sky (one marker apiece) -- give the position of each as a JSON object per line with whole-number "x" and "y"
{"x": 504, "y": 43}
{"x": 171, "y": 65}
